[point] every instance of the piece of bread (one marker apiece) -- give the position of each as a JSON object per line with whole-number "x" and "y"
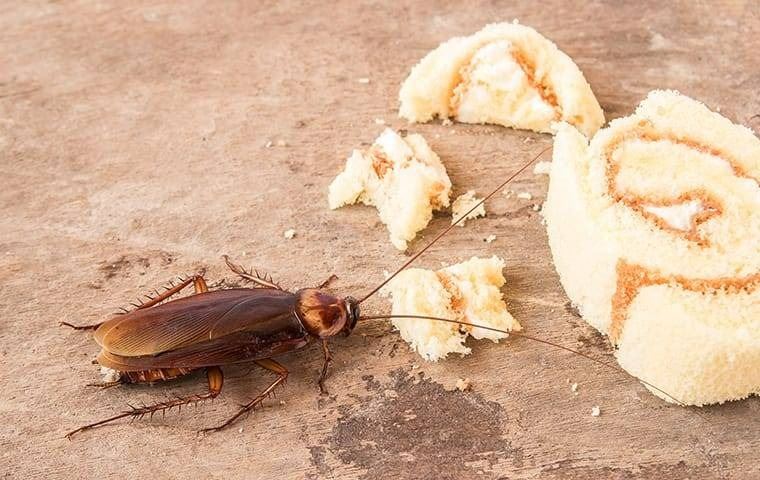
{"x": 463, "y": 204}
{"x": 468, "y": 291}
{"x": 402, "y": 177}
{"x": 507, "y": 74}
{"x": 655, "y": 232}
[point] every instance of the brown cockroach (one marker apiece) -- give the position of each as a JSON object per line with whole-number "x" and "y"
{"x": 164, "y": 339}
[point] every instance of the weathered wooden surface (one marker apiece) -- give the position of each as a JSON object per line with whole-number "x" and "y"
{"x": 133, "y": 148}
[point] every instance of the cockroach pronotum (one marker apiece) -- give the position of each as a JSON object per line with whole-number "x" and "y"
{"x": 164, "y": 339}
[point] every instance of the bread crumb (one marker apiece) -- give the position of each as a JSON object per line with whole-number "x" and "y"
{"x": 596, "y": 411}
{"x": 268, "y": 144}
{"x": 446, "y": 122}
{"x": 240, "y": 430}
{"x": 282, "y": 143}
{"x": 402, "y": 177}
{"x": 524, "y": 196}
{"x": 379, "y": 121}
{"x": 574, "y": 388}
{"x": 470, "y": 291}
{"x": 542, "y": 168}
{"x": 290, "y": 233}
{"x": 363, "y": 80}
{"x": 464, "y": 385}
{"x": 463, "y": 204}
{"x": 508, "y": 193}
{"x": 536, "y": 207}
{"x": 489, "y": 238}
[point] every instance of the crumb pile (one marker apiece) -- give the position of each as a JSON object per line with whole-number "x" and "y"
{"x": 468, "y": 291}
{"x": 400, "y": 176}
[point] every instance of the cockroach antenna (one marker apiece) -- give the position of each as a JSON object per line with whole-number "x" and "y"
{"x": 532, "y": 338}
{"x": 454, "y": 223}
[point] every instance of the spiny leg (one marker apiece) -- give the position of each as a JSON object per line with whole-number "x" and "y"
{"x": 197, "y": 280}
{"x": 272, "y": 366}
{"x": 215, "y": 382}
{"x": 323, "y": 375}
{"x": 252, "y": 276}
{"x": 327, "y": 282}
{"x": 104, "y": 385}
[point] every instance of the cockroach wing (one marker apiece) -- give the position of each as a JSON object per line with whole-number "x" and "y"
{"x": 235, "y": 348}
{"x": 194, "y": 320}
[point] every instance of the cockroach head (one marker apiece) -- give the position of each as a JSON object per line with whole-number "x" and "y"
{"x": 352, "y": 306}
{"x": 324, "y": 315}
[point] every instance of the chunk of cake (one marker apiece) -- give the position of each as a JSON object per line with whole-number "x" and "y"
{"x": 507, "y": 74}
{"x": 400, "y": 176}
{"x": 654, "y": 226}
{"x": 468, "y": 291}
{"x": 463, "y": 204}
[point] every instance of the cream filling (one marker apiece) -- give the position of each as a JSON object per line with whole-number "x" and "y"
{"x": 495, "y": 89}
{"x": 680, "y": 217}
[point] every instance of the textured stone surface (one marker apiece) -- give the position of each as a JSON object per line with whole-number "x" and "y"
{"x": 133, "y": 148}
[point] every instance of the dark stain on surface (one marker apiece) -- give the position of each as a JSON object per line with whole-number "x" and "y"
{"x": 318, "y": 460}
{"x": 572, "y": 309}
{"x": 126, "y": 263}
{"x": 591, "y": 339}
{"x": 411, "y": 427}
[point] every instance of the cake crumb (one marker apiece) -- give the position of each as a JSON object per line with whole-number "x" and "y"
{"x": 463, "y": 204}
{"x": 363, "y": 80}
{"x": 596, "y": 411}
{"x": 282, "y": 143}
{"x": 379, "y": 121}
{"x": 400, "y": 176}
{"x": 290, "y": 233}
{"x": 268, "y": 144}
{"x": 446, "y": 122}
{"x": 574, "y": 388}
{"x": 240, "y": 430}
{"x": 524, "y": 196}
{"x": 464, "y": 385}
{"x": 489, "y": 238}
{"x": 542, "y": 168}
{"x": 473, "y": 286}
{"x": 536, "y": 207}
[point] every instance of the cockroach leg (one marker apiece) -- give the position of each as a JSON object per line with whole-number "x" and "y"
{"x": 197, "y": 280}
{"x": 254, "y": 276}
{"x": 327, "y": 282}
{"x": 199, "y": 283}
{"x": 323, "y": 375}
{"x": 80, "y": 327}
{"x": 215, "y": 382}
{"x": 104, "y": 385}
{"x": 268, "y": 364}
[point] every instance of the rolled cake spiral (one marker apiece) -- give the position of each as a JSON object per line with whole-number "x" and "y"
{"x": 654, "y": 227}
{"x": 507, "y": 74}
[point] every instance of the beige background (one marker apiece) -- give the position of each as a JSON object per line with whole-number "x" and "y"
{"x": 133, "y": 149}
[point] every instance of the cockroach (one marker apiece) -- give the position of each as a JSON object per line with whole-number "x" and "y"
{"x": 163, "y": 339}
